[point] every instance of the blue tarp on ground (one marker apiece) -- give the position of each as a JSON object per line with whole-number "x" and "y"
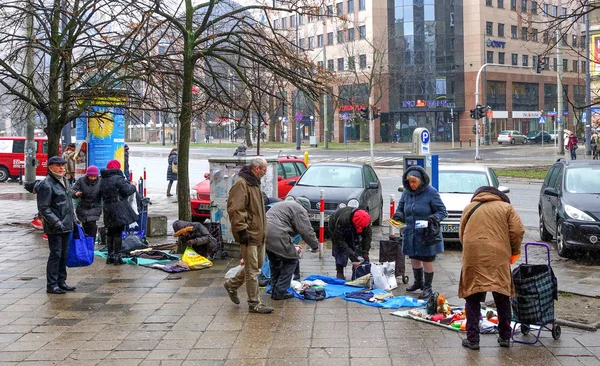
{"x": 128, "y": 260}
{"x": 335, "y": 287}
{"x": 394, "y": 302}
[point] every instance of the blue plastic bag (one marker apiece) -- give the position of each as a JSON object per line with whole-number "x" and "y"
{"x": 81, "y": 249}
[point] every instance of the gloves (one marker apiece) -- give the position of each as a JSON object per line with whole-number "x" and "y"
{"x": 398, "y": 216}
{"x": 244, "y": 237}
{"x": 352, "y": 255}
{"x": 190, "y": 243}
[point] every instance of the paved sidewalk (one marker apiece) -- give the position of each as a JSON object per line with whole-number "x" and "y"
{"x": 132, "y": 315}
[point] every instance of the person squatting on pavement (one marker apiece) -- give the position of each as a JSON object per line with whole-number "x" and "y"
{"x": 491, "y": 233}
{"x": 196, "y": 236}
{"x": 350, "y": 231}
{"x": 89, "y": 208}
{"x": 114, "y": 190}
{"x": 56, "y": 207}
{"x": 420, "y": 201}
{"x": 246, "y": 210}
{"x": 285, "y": 220}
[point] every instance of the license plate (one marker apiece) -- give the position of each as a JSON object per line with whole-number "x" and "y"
{"x": 204, "y": 206}
{"x": 449, "y": 228}
{"x": 317, "y": 217}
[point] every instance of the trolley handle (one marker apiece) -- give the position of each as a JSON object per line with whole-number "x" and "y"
{"x": 534, "y": 243}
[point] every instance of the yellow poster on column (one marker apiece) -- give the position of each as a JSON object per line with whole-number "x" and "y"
{"x": 595, "y": 55}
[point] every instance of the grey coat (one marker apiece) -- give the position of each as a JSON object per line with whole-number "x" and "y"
{"x": 172, "y": 159}
{"x": 285, "y": 220}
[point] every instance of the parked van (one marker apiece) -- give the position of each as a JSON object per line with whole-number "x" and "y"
{"x": 12, "y": 156}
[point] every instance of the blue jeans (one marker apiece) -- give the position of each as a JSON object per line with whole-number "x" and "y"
{"x": 573, "y": 154}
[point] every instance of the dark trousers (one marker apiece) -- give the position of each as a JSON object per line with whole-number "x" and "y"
{"x": 282, "y": 271}
{"x": 115, "y": 231}
{"x": 573, "y": 154}
{"x": 56, "y": 268}
{"x": 90, "y": 229}
{"x": 473, "y": 307}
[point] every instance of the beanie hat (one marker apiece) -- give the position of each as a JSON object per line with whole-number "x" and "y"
{"x": 113, "y": 164}
{"x": 126, "y": 147}
{"x": 92, "y": 171}
{"x": 414, "y": 173}
{"x": 361, "y": 219}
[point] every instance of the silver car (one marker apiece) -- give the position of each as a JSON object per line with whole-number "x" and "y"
{"x": 511, "y": 137}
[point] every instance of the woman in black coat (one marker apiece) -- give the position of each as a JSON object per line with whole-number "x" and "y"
{"x": 89, "y": 208}
{"x": 114, "y": 190}
{"x": 171, "y": 175}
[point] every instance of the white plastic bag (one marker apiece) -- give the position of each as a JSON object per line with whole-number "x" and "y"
{"x": 383, "y": 276}
{"x": 233, "y": 271}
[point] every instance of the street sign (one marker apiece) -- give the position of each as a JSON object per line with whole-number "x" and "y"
{"x": 299, "y": 116}
{"x": 583, "y": 117}
{"x": 541, "y": 120}
{"x": 345, "y": 116}
{"x": 425, "y": 137}
{"x": 558, "y": 120}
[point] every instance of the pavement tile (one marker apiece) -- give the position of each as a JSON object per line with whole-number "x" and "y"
{"x": 248, "y": 352}
{"x": 24, "y": 346}
{"x": 49, "y": 355}
{"x": 371, "y": 361}
{"x": 161, "y": 363}
{"x": 381, "y": 352}
{"x": 128, "y": 355}
{"x": 168, "y": 354}
{"x": 89, "y": 354}
{"x": 329, "y": 353}
{"x": 71, "y": 362}
{"x": 250, "y": 362}
{"x": 218, "y": 354}
{"x": 290, "y": 352}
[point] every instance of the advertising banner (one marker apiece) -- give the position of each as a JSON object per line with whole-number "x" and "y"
{"x": 595, "y": 56}
{"x": 106, "y": 127}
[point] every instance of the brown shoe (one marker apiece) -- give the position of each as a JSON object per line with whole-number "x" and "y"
{"x": 233, "y": 296}
{"x": 260, "y": 309}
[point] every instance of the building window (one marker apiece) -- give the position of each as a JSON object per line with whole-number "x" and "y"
{"x": 515, "y": 59}
{"x": 523, "y": 6}
{"x": 301, "y": 20}
{"x": 534, "y": 35}
{"x": 284, "y": 23}
{"x": 582, "y": 43}
{"x": 533, "y": 7}
{"x": 546, "y": 7}
{"x": 340, "y": 36}
{"x": 583, "y": 67}
{"x": 362, "y": 32}
{"x": 554, "y": 10}
{"x": 513, "y": 31}
{"x": 500, "y": 30}
{"x": 329, "y": 38}
{"x": 320, "y": 40}
{"x": 339, "y": 7}
{"x": 565, "y": 65}
{"x": 340, "y": 66}
{"x": 302, "y": 43}
{"x": 330, "y": 65}
{"x": 513, "y": 5}
{"x": 490, "y": 57}
{"x": 524, "y": 33}
{"x": 500, "y": 4}
{"x": 501, "y": 58}
{"x": 276, "y": 24}
{"x": 350, "y": 6}
{"x": 545, "y": 37}
{"x": 362, "y": 61}
{"x": 525, "y": 60}
{"x": 488, "y": 3}
{"x": 311, "y": 43}
{"x": 320, "y": 64}
{"x": 574, "y": 41}
{"x": 361, "y": 5}
{"x": 351, "y": 63}
{"x": 329, "y": 10}
{"x": 488, "y": 28}
{"x": 293, "y": 21}
{"x": 350, "y": 34}
{"x": 575, "y": 66}
{"x": 554, "y": 63}
{"x": 563, "y": 12}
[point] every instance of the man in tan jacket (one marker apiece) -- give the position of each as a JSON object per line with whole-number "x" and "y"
{"x": 246, "y": 210}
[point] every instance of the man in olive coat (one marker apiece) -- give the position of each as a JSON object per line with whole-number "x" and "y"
{"x": 246, "y": 210}
{"x": 55, "y": 205}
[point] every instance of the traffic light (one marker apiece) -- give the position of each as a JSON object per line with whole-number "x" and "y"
{"x": 364, "y": 112}
{"x": 480, "y": 111}
{"x": 541, "y": 63}
{"x": 474, "y": 129}
{"x": 473, "y": 114}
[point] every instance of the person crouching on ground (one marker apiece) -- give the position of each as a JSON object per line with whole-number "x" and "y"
{"x": 114, "y": 190}
{"x": 56, "y": 207}
{"x": 285, "y": 220}
{"x": 350, "y": 231}
{"x": 420, "y": 202}
{"x": 196, "y": 236}
{"x": 89, "y": 208}
{"x": 491, "y": 233}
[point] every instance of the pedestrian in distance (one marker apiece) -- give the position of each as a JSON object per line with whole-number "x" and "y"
{"x": 70, "y": 158}
{"x": 594, "y": 146}
{"x": 351, "y": 234}
{"x": 89, "y": 208}
{"x": 572, "y": 145}
{"x": 172, "y": 174}
{"x": 285, "y": 220}
{"x": 491, "y": 233}
{"x": 246, "y": 209}
{"x": 126, "y": 162}
{"x": 114, "y": 191}
{"x": 421, "y": 209}
{"x": 56, "y": 207}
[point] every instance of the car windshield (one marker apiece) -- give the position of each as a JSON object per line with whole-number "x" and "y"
{"x": 585, "y": 179}
{"x": 332, "y": 176}
{"x": 504, "y": 132}
{"x": 461, "y": 181}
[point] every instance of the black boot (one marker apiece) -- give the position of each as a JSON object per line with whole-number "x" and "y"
{"x": 110, "y": 249}
{"x": 118, "y": 241}
{"x": 340, "y": 272}
{"x": 427, "y": 291}
{"x": 418, "y": 284}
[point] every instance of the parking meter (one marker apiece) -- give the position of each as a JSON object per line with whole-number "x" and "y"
{"x": 421, "y": 156}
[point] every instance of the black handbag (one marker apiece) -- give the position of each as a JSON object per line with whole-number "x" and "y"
{"x": 432, "y": 231}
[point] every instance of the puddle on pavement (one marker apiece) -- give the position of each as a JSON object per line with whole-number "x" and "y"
{"x": 17, "y": 197}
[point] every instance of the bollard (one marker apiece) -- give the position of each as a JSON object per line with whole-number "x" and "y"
{"x": 20, "y": 175}
{"x": 392, "y": 210}
{"x": 306, "y": 158}
{"x": 141, "y": 185}
{"x": 460, "y": 142}
{"x": 131, "y": 175}
{"x": 321, "y": 223}
{"x": 469, "y": 142}
{"x": 144, "y": 181}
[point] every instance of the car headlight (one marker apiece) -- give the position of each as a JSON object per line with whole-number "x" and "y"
{"x": 194, "y": 194}
{"x": 577, "y": 214}
{"x": 289, "y": 198}
{"x": 353, "y": 203}
{"x": 342, "y": 205}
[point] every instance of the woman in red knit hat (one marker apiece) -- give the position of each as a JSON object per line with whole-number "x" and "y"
{"x": 350, "y": 231}
{"x": 89, "y": 207}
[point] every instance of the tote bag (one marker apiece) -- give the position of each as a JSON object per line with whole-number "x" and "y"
{"x": 81, "y": 249}
{"x": 382, "y": 276}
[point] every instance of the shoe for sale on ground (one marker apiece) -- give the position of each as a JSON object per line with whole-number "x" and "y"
{"x": 261, "y": 309}
{"x": 37, "y": 223}
{"x": 470, "y": 345}
{"x": 45, "y": 236}
{"x": 233, "y": 296}
{"x": 504, "y": 342}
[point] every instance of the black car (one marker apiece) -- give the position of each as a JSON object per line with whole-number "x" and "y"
{"x": 536, "y": 137}
{"x": 344, "y": 184}
{"x": 569, "y": 205}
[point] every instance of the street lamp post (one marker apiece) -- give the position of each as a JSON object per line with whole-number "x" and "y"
{"x": 298, "y": 143}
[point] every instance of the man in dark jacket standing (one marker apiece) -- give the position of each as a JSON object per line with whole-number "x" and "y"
{"x": 55, "y": 206}
{"x": 246, "y": 210}
{"x": 350, "y": 231}
{"x": 286, "y": 220}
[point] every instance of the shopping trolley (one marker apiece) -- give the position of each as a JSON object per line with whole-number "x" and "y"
{"x": 536, "y": 289}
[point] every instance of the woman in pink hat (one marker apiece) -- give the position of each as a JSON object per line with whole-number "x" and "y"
{"x": 87, "y": 190}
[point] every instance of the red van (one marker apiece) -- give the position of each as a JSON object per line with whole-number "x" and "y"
{"x": 12, "y": 156}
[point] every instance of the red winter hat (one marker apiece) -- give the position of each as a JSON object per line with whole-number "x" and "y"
{"x": 113, "y": 164}
{"x": 92, "y": 171}
{"x": 361, "y": 220}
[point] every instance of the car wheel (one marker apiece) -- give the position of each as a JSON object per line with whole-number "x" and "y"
{"x": 561, "y": 247}
{"x": 499, "y": 143}
{"x": 544, "y": 234}
{"x": 4, "y": 175}
{"x": 380, "y": 218}
{"x": 512, "y": 142}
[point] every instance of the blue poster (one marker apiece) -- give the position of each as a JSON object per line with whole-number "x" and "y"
{"x": 106, "y": 127}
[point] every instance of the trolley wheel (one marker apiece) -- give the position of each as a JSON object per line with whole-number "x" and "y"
{"x": 405, "y": 279}
{"x": 224, "y": 255}
{"x": 525, "y": 329}
{"x": 555, "y": 331}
